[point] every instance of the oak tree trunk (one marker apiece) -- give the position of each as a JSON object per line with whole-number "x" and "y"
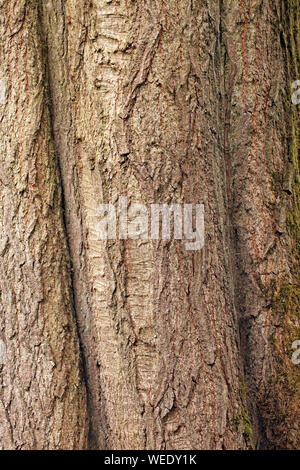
{"x": 141, "y": 344}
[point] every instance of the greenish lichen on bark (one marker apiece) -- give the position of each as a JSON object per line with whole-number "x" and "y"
{"x": 280, "y": 403}
{"x": 290, "y": 36}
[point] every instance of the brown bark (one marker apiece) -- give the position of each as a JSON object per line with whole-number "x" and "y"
{"x": 43, "y": 395}
{"x": 163, "y": 102}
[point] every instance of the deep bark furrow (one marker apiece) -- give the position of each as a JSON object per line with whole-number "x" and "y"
{"x": 43, "y": 397}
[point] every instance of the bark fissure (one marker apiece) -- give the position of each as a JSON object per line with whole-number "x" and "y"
{"x": 43, "y": 401}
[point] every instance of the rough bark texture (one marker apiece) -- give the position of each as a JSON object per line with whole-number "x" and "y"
{"x": 42, "y": 391}
{"x": 160, "y": 101}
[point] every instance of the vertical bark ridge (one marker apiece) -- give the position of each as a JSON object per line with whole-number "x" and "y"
{"x": 260, "y": 208}
{"x": 168, "y": 365}
{"x": 42, "y": 394}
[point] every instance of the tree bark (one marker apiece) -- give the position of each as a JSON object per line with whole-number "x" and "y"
{"x": 141, "y": 344}
{"x": 42, "y": 391}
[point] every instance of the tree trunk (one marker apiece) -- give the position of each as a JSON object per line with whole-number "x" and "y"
{"x": 142, "y": 344}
